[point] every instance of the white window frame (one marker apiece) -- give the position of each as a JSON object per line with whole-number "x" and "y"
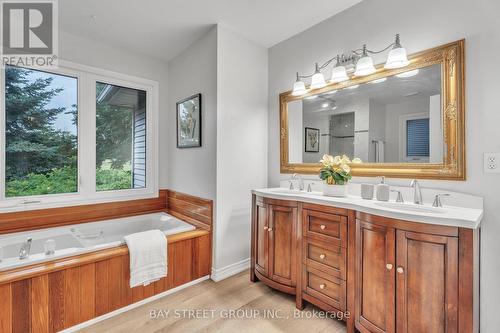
{"x": 403, "y": 157}
{"x": 87, "y": 78}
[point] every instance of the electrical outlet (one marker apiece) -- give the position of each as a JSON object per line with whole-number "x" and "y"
{"x": 491, "y": 162}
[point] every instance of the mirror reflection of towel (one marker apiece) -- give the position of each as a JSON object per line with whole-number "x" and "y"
{"x": 379, "y": 151}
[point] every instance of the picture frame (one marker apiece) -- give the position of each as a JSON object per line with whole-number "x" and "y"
{"x": 189, "y": 122}
{"x": 311, "y": 140}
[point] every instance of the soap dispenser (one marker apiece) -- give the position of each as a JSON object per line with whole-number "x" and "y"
{"x": 383, "y": 190}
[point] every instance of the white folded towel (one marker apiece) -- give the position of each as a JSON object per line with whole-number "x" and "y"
{"x": 148, "y": 257}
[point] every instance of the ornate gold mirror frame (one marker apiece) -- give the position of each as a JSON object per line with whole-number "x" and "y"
{"x": 451, "y": 59}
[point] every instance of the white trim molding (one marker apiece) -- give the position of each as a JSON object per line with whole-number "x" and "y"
{"x": 230, "y": 270}
{"x": 132, "y": 306}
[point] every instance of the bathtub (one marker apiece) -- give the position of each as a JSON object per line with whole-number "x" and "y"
{"x": 82, "y": 238}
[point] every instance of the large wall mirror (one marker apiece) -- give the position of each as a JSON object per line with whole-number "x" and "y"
{"x": 406, "y": 122}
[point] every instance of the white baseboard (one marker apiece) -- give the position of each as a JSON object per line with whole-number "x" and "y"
{"x": 230, "y": 270}
{"x": 132, "y": 306}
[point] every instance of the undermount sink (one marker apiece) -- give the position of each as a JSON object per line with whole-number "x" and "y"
{"x": 288, "y": 191}
{"x": 411, "y": 207}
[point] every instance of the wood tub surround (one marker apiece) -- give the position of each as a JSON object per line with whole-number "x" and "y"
{"x": 389, "y": 275}
{"x": 52, "y": 296}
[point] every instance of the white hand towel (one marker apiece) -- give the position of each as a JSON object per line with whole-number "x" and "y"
{"x": 148, "y": 257}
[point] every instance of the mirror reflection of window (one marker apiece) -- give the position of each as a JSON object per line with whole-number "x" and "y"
{"x": 377, "y": 121}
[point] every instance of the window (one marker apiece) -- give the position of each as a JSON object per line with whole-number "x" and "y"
{"x": 76, "y": 134}
{"x": 41, "y": 149}
{"x": 417, "y": 137}
{"x": 120, "y": 137}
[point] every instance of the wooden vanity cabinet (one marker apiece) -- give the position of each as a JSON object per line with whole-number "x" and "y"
{"x": 274, "y": 243}
{"x": 387, "y": 275}
{"x": 407, "y": 277}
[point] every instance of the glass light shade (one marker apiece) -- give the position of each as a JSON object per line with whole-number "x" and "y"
{"x": 317, "y": 81}
{"x": 364, "y": 66}
{"x": 339, "y": 74}
{"x": 396, "y": 58}
{"x": 299, "y": 88}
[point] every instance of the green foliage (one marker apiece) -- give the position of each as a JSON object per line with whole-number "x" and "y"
{"x": 113, "y": 179}
{"x": 64, "y": 180}
{"x": 33, "y": 145}
{"x": 335, "y": 176}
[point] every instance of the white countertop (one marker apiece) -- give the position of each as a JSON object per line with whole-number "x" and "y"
{"x": 448, "y": 215}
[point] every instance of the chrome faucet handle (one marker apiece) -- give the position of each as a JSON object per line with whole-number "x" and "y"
{"x": 399, "y": 197}
{"x": 291, "y": 185}
{"x": 437, "y": 199}
{"x": 309, "y": 187}
{"x": 25, "y": 250}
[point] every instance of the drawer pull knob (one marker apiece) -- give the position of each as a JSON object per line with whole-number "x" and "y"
{"x": 400, "y": 270}
{"x": 265, "y": 227}
{"x": 388, "y": 266}
{"x": 322, "y": 256}
{"x": 270, "y": 229}
{"x": 322, "y": 227}
{"x": 322, "y": 286}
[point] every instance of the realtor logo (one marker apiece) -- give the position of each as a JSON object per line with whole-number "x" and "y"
{"x": 29, "y": 33}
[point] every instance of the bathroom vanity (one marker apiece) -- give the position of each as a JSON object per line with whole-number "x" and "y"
{"x": 390, "y": 267}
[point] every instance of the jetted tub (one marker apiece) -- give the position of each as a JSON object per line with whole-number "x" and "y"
{"x": 82, "y": 238}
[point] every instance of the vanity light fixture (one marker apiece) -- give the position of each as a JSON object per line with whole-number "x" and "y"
{"x": 364, "y": 66}
{"x": 408, "y": 74}
{"x": 317, "y": 80}
{"x": 397, "y": 57}
{"x": 358, "y": 60}
{"x": 339, "y": 72}
{"x": 299, "y": 87}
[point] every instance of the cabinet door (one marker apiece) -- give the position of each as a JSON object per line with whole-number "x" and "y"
{"x": 375, "y": 275}
{"x": 261, "y": 238}
{"x": 426, "y": 283}
{"x": 282, "y": 238}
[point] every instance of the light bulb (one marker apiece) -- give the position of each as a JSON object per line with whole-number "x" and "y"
{"x": 364, "y": 66}
{"x": 299, "y": 88}
{"x": 397, "y": 57}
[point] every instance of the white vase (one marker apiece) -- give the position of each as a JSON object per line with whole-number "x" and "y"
{"x": 334, "y": 190}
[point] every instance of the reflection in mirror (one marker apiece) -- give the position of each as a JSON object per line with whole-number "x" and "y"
{"x": 397, "y": 119}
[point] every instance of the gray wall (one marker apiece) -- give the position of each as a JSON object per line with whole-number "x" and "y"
{"x": 192, "y": 170}
{"x": 422, "y": 24}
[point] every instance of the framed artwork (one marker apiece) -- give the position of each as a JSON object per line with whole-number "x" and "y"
{"x": 189, "y": 122}
{"x": 312, "y": 140}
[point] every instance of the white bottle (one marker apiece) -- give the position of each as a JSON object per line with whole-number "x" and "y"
{"x": 383, "y": 190}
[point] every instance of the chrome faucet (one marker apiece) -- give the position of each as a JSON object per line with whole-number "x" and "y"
{"x": 417, "y": 192}
{"x": 25, "y": 250}
{"x": 437, "y": 199}
{"x": 299, "y": 178}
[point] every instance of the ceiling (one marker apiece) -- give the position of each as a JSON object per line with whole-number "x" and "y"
{"x": 164, "y": 28}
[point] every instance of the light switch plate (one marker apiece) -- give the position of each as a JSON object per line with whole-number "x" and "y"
{"x": 491, "y": 162}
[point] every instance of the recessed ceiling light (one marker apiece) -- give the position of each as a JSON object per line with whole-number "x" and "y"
{"x": 325, "y": 105}
{"x": 312, "y": 97}
{"x": 353, "y": 87}
{"x": 408, "y": 74}
{"x": 379, "y": 80}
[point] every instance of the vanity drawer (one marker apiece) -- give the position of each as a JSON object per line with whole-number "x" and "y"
{"x": 329, "y": 259}
{"x": 326, "y": 227}
{"x": 328, "y": 289}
